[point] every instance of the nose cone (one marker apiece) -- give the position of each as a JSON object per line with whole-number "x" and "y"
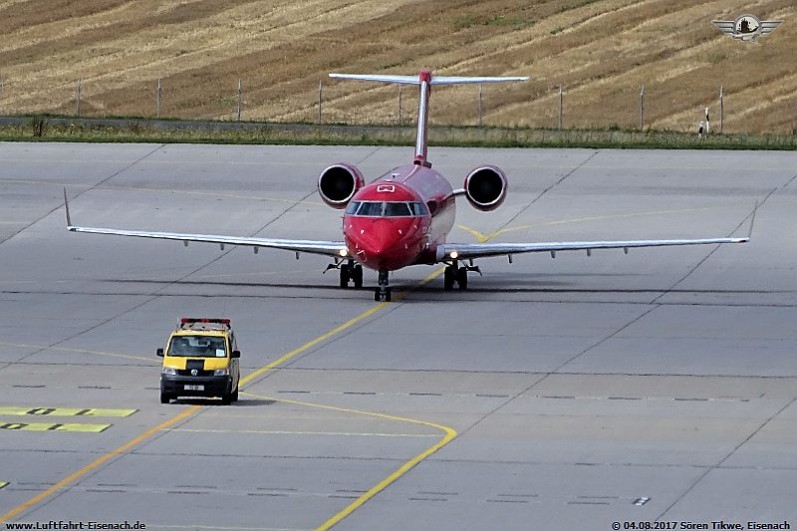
{"x": 381, "y": 243}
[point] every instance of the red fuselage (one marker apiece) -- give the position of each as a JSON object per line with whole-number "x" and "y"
{"x": 399, "y": 219}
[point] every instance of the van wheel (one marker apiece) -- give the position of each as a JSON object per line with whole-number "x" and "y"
{"x": 235, "y": 395}
{"x": 165, "y": 398}
{"x": 225, "y": 399}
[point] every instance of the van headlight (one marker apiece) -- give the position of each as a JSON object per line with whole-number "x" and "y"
{"x": 169, "y": 371}
{"x": 221, "y": 372}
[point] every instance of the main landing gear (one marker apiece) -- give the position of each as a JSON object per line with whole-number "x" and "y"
{"x": 349, "y": 272}
{"x": 382, "y": 293}
{"x": 459, "y": 275}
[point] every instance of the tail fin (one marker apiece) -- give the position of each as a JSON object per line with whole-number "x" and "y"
{"x": 425, "y": 81}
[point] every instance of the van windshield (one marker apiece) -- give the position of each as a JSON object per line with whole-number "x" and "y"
{"x": 198, "y": 347}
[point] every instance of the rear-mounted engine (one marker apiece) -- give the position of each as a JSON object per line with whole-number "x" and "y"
{"x": 338, "y": 183}
{"x": 485, "y": 187}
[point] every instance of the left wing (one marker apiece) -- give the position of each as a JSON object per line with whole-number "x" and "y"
{"x": 335, "y": 249}
{"x": 464, "y": 251}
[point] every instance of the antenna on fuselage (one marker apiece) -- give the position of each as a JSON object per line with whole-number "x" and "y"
{"x": 425, "y": 82}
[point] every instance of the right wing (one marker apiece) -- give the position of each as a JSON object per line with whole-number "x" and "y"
{"x": 465, "y": 251}
{"x": 336, "y": 249}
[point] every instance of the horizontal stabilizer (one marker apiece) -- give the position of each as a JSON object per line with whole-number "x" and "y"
{"x": 416, "y": 80}
{"x": 424, "y": 81}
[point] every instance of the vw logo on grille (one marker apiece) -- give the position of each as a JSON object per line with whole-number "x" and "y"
{"x": 194, "y": 372}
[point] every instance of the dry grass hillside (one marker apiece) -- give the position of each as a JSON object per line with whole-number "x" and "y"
{"x": 601, "y": 51}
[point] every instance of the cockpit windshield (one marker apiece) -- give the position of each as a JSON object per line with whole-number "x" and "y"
{"x": 386, "y": 208}
{"x": 198, "y": 347}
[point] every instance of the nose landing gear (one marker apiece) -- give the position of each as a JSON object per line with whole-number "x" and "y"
{"x": 383, "y": 291}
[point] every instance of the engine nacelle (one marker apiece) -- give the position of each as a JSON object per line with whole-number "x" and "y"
{"x": 338, "y": 183}
{"x": 485, "y": 187}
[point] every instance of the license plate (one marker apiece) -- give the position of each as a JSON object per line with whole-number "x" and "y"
{"x": 194, "y": 387}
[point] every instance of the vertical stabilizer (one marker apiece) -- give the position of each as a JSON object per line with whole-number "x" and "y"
{"x": 421, "y": 141}
{"x": 425, "y": 82}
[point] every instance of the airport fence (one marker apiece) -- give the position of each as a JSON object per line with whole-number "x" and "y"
{"x": 544, "y": 106}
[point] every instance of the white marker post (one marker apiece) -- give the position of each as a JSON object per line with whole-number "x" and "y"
{"x": 158, "y": 100}
{"x": 561, "y": 105}
{"x": 320, "y": 99}
{"x": 240, "y": 98}
{"x": 708, "y": 122}
{"x": 77, "y": 97}
{"x": 642, "y": 108}
{"x": 480, "y": 104}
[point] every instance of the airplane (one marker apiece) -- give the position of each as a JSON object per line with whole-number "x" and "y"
{"x": 404, "y": 217}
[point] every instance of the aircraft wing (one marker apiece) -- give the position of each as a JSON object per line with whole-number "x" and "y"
{"x": 464, "y": 251}
{"x": 328, "y": 248}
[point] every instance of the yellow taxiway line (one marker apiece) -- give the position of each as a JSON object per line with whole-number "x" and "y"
{"x": 181, "y": 416}
{"x": 310, "y": 344}
{"x": 97, "y": 463}
{"x": 449, "y": 434}
{"x": 338, "y": 329}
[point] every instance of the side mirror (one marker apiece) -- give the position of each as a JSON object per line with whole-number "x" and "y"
{"x": 236, "y": 353}
{"x": 159, "y": 352}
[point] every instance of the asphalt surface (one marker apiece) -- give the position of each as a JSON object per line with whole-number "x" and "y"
{"x": 564, "y": 394}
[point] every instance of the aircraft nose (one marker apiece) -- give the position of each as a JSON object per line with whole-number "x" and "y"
{"x": 383, "y": 243}
{"x": 379, "y": 239}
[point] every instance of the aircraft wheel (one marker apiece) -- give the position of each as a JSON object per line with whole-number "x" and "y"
{"x": 448, "y": 278}
{"x": 357, "y": 276}
{"x": 344, "y": 276}
{"x": 382, "y": 294}
{"x": 462, "y": 278}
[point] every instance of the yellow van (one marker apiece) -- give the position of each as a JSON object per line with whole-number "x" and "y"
{"x": 200, "y": 359}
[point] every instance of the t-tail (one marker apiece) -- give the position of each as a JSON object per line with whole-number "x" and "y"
{"x": 425, "y": 81}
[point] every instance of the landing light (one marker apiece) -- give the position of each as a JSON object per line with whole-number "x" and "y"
{"x": 343, "y": 252}
{"x": 453, "y": 254}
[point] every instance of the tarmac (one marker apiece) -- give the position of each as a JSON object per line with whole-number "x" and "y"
{"x": 614, "y": 391}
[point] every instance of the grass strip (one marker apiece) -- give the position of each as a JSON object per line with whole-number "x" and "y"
{"x": 48, "y": 128}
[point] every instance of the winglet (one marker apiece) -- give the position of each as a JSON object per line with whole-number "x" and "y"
{"x": 68, "y": 217}
{"x": 752, "y": 221}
